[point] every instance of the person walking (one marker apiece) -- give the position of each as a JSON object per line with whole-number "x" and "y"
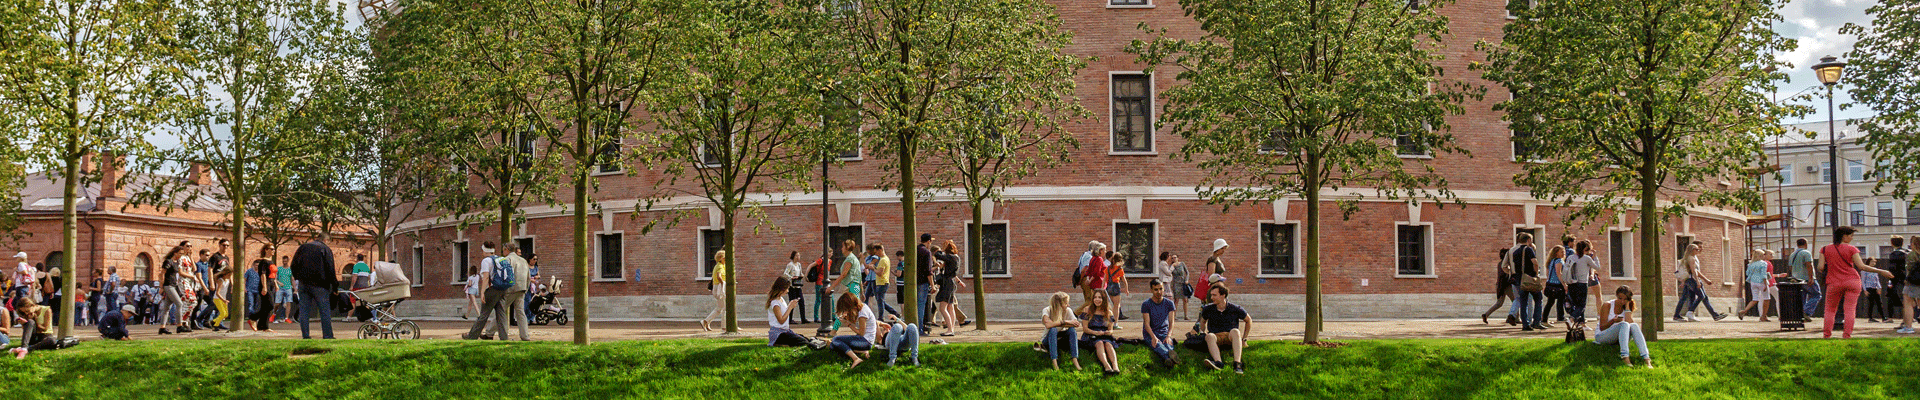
{"x": 1617, "y": 327}
{"x": 949, "y": 271}
{"x": 880, "y": 267}
{"x": 1583, "y": 275}
{"x": 796, "y": 293}
{"x": 719, "y": 286}
{"x": 1175, "y": 276}
{"x": 1842, "y": 266}
{"x": 1691, "y": 281}
{"x": 1870, "y": 292}
{"x": 1759, "y": 279}
{"x": 1556, "y": 290}
{"x": 285, "y": 290}
{"x": 513, "y": 303}
{"x": 173, "y": 276}
{"x": 1801, "y": 264}
{"x": 1909, "y": 291}
{"x": 490, "y": 298}
{"x": 313, "y": 265}
{"x": 952, "y": 258}
{"x": 1117, "y": 284}
{"x": 1502, "y": 289}
{"x": 852, "y": 270}
{"x": 259, "y": 300}
{"x": 1527, "y": 282}
{"x": 472, "y": 291}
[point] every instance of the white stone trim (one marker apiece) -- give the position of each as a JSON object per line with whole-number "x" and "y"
{"x": 1153, "y": 115}
{"x": 968, "y": 272}
{"x": 597, "y": 251}
{"x": 1394, "y": 240}
{"x": 1113, "y": 234}
{"x": 1299, "y": 263}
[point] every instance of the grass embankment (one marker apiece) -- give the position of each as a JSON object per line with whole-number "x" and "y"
{"x": 697, "y": 369}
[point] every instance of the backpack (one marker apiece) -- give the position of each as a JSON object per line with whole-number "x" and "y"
{"x": 503, "y": 274}
{"x": 1076, "y": 276}
{"x": 1903, "y": 268}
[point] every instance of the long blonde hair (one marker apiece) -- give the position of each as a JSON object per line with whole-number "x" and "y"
{"x": 1058, "y": 309}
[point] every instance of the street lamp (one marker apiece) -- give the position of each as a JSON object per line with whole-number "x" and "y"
{"x": 1829, "y": 71}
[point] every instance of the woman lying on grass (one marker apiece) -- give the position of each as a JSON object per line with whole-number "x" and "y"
{"x": 1618, "y": 326}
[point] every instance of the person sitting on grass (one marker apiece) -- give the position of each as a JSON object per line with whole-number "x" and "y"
{"x": 901, "y": 337}
{"x": 1227, "y": 325}
{"x": 1616, "y": 326}
{"x": 1063, "y": 329}
{"x": 113, "y": 326}
{"x": 779, "y": 311}
{"x": 859, "y": 318}
{"x": 38, "y": 320}
{"x": 1159, "y": 326}
{"x": 1100, "y": 317}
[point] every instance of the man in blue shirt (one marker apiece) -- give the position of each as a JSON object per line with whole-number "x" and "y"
{"x": 113, "y": 326}
{"x": 1802, "y": 265}
{"x": 1159, "y": 312}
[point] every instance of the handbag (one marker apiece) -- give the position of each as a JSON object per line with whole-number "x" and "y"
{"x": 1556, "y": 291}
{"x": 1532, "y": 283}
{"x": 1576, "y": 334}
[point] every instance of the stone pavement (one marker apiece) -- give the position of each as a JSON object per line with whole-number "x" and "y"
{"x": 1022, "y": 331}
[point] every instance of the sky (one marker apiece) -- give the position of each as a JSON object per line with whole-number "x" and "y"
{"x": 1815, "y": 24}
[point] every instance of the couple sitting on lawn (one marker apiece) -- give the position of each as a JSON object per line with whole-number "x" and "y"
{"x": 899, "y": 336}
{"x": 1223, "y": 325}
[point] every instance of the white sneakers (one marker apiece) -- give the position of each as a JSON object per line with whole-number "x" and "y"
{"x": 1906, "y": 330}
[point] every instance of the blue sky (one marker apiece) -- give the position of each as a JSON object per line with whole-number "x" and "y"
{"x": 1816, "y": 25}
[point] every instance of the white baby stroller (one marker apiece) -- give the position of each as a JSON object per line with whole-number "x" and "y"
{"x": 390, "y": 287}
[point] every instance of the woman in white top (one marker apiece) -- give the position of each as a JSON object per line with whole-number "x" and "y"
{"x": 1585, "y": 275}
{"x": 860, "y": 318}
{"x": 794, "y": 272}
{"x": 473, "y": 292}
{"x": 779, "y": 311}
{"x": 1062, "y": 328}
{"x": 1616, "y": 326}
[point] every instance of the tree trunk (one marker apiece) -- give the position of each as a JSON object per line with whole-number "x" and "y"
{"x": 733, "y": 274}
{"x": 580, "y": 281}
{"x": 506, "y": 219}
{"x": 1311, "y": 254}
{"x": 69, "y": 237}
{"x": 1650, "y": 287}
{"x": 911, "y": 271}
{"x": 975, "y": 260}
{"x": 236, "y": 287}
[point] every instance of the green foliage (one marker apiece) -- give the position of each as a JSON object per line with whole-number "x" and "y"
{"x": 706, "y": 369}
{"x": 1625, "y": 98}
{"x": 1880, "y": 76}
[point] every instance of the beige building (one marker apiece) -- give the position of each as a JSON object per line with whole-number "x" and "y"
{"x": 1800, "y": 192}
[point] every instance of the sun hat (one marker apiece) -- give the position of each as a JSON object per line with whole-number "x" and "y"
{"x": 1219, "y": 244}
{"x": 127, "y": 308}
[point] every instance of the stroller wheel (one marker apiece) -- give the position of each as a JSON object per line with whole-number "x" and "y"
{"x": 406, "y": 330}
{"x": 369, "y": 331}
{"x": 562, "y": 319}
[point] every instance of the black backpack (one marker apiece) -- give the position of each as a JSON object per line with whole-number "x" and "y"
{"x": 1902, "y": 270}
{"x": 1076, "y": 276}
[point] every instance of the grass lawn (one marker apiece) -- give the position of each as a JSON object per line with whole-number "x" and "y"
{"x": 700, "y": 369}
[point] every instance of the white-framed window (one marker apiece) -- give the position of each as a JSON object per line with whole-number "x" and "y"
{"x": 1620, "y": 254}
{"x": 1279, "y": 249}
{"x": 1137, "y": 243}
{"x": 1826, "y": 172}
{"x": 607, "y": 159}
{"x": 1413, "y": 250}
{"x": 840, "y": 234}
{"x": 461, "y": 263}
{"x": 1885, "y": 212}
{"x": 609, "y": 256}
{"x": 142, "y": 267}
{"x": 994, "y": 256}
{"x": 1856, "y": 171}
{"x": 419, "y": 270}
{"x": 1785, "y": 176}
{"x": 1826, "y": 214}
{"x": 1512, "y": 8}
{"x": 1131, "y": 115}
{"x": 1129, "y": 3}
{"x": 1857, "y": 214}
{"x": 1913, "y": 215}
{"x": 841, "y": 8}
{"x": 1407, "y": 146}
{"x": 1522, "y": 150}
{"x": 846, "y": 117}
{"x": 1786, "y": 211}
{"x": 526, "y": 246}
{"x": 1276, "y": 142}
{"x": 711, "y": 240}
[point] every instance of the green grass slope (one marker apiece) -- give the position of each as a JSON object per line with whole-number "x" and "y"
{"x": 746, "y": 369}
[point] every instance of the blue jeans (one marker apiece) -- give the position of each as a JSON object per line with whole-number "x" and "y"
{"x": 1624, "y": 333}
{"x": 1577, "y": 301}
{"x": 1161, "y": 350}
{"x": 877, "y": 295}
{"x": 824, "y": 312}
{"x": 903, "y": 335}
{"x": 846, "y": 343}
{"x": 1527, "y": 305}
{"x": 1813, "y": 294}
{"x": 315, "y": 302}
{"x": 1690, "y": 299}
{"x": 1057, "y": 336}
{"x": 926, "y": 306}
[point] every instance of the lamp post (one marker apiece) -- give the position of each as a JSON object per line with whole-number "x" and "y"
{"x": 1829, "y": 70}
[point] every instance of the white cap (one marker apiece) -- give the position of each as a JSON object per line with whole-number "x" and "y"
{"x": 485, "y": 249}
{"x": 1216, "y": 278}
{"x": 1219, "y": 244}
{"x": 127, "y": 308}
{"x": 21, "y": 255}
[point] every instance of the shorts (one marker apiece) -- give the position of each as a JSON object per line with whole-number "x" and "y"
{"x": 1113, "y": 289}
{"x": 1758, "y": 291}
{"x": 283, "y": 296}
{"x": 1911, "y": 291}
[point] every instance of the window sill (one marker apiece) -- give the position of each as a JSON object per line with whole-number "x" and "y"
{"x": 1429, "y": 276}
{"x": 1129, "y": 6}
{"x": 991, "y": 276}
{"x": 460, "y": 283}
{"x": 853, "y": 159}
{"x": 1134, "y": 153}
{"x": 597, "y": 173}
{"x": 613, "y": 280}
{"x": 1622, "y": 278}
{"x": 1416, "y": 156}
{"x": 1281, "y": 276}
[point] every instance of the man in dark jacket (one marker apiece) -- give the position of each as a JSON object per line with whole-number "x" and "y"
{"x": 113, "y": 325}
{"x": 313, "y": 266}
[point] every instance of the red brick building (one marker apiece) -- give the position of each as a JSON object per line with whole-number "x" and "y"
{"x": 1121, "y": 188}
{"x": 131, "y": 240}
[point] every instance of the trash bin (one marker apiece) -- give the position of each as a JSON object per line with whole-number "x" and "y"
{"x": 1792, "y": 295}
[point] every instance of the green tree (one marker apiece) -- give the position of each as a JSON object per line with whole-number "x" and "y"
{"x": 1880, "y": 77}
{"x": 908, "y": 63}
{"x": 1646, "y": 106}
{"x": 77, "y": 79}
{"x": 1288, "y": 98}
{"x": 248, "y": 70}
{"x": 1017, "y": 129}
{"x": 744, "y": 119}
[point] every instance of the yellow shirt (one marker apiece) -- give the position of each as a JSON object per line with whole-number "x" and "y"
{"x": 883, "y": 273}
{"x": 720, "y": 273}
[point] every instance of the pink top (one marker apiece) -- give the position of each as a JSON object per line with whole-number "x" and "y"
{"x": 1839, "y": 260}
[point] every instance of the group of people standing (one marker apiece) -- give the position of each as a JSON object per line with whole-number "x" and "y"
{"x": 1558, "y": 289}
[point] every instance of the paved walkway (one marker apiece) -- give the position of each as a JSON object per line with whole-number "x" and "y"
{"x": 1021, "y": 331}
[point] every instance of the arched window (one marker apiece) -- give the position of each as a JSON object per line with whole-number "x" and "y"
{"x": 142, "y": 267}
{"x": 55, "y": 260}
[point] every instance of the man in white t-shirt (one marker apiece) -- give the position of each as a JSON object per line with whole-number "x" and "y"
{"x": 24, "y": 276}
{"x": 490, "y": 299}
